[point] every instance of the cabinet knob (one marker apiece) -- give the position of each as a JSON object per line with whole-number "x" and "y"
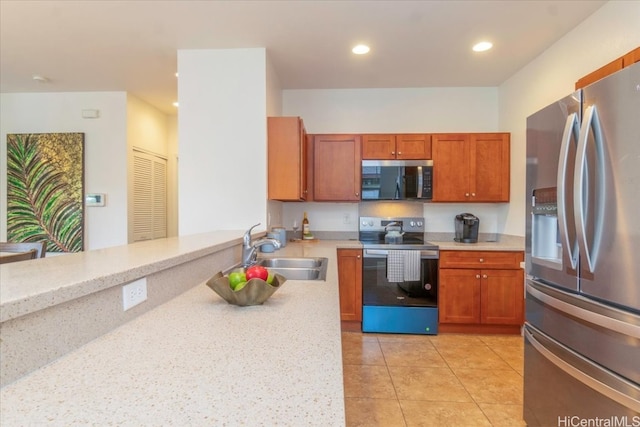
{"x": 473, "y": 194}
{"x": 484, "y": 276}
{"x": 399, "y": 153}
{"x": 357, "y": 194}
{"x": 358, "y": 256}
{"x": 477, "y": 276}
{"x": 393, "y": 153}
{"x": 481, "y": 260}
{"x": 466, "y": 194}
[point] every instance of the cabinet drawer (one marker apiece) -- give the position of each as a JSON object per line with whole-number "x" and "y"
{"x": 481, "y": 259}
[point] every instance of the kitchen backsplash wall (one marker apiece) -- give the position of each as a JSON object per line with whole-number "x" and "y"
{"x": 344, "y": 216}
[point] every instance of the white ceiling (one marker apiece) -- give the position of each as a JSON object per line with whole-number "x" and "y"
{"x": 108, "y": 45}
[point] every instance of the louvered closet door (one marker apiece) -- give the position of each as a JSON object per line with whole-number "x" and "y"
{"x": 149, "y": 196}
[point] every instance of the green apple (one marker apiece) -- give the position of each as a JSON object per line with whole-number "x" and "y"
{"x": 235, "y": 278}
{"x": 270, "y": 278}
{"x": 239, "y": 286}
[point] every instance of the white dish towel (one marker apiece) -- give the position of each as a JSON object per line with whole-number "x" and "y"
{"x": 403, "y": 266}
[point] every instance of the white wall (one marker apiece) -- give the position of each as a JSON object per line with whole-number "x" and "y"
{"x": 274, "y": 108}
{"x": 610, "y": 32}
{"x": 464, "y": 109}
{"x": 172, "y": 175}
{"x": 148, "y": 131}
{"x": 222, "y": 129}
{"x": 124, "y": 122}
{"x": 105, "y": 140}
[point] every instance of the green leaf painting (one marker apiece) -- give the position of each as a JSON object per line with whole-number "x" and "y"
{"x": 45, "y": 190}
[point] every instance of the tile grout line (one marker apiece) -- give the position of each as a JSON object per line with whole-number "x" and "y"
{"x": 462, "y": 384}
{"x": 395, "y": 391}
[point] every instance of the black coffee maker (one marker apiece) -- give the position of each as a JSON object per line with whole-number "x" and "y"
{"x": 467, "y": 228}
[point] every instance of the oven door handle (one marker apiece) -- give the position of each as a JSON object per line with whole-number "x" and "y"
{"x": 383, "y": 253}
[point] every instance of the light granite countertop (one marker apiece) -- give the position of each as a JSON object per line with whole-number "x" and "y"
{"x": 34, "y": 285}
{"x": 194, "y": 360}
{"x": 502, "y": 242}
{"x": 197, "y": 360}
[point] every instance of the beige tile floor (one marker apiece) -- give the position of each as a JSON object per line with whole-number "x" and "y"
{"x": 436, "y": 381}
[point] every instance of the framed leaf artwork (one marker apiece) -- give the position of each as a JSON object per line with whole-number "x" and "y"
{"x": 45, "y": 190}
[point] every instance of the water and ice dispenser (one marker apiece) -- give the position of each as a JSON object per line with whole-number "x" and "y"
{"x": 545, "y": 232}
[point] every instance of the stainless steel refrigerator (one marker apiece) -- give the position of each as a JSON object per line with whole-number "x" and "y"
{"x": 582, "y": 329}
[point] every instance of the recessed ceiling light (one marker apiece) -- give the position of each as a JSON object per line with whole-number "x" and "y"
{"x": 175, "y": 104}
{"x": 176, "y": 74}
{"x": 482, "y": 46}
{"x": 360, "y": 49}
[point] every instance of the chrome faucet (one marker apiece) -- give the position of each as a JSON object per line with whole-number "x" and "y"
{"x": 249, "y": 248}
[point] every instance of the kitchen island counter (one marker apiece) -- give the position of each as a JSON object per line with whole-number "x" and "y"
{"x": 197, "y": 360}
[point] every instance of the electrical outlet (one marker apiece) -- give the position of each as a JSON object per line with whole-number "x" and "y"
{"x": 134, "y": 293}
{"x": 346, "y": 218}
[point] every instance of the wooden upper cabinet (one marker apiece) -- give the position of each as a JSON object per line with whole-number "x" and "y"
{"x": 396, "y": 147}
{"x": 378, "y": 147}
{"x": 413, "y": 146}
{"x": 471, "y": 167}
{"x": 336, "y": 168}
{"x": 490, "y": 167}
{"x": 450, "y": 167}
{"x": 287, "y": 159}
{"x": 617, "y": 64}
{"x": 631, "y": 57}
{"x": 604, "y": 71}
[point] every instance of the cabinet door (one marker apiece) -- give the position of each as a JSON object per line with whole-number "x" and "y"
{"x": 502, "y": 297}
{"x": 350, "y": 284}
{"x": 489, "y": 167}
{"x": 450, "y": 167}
{"x": 336, "y": 168}
{"x": 413, "y": 146}
{"x": 286, "y": 158}
{"x": 481, "y": 259}
{"x": 459, "y": 296}
{"x": 378, "y": 147}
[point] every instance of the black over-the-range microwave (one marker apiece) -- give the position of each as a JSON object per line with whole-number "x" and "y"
{"x": 397, "y": 179}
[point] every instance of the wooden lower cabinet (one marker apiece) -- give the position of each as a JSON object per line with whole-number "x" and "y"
{"x": 481, "y": 291}
{"x": 350, "y": 286}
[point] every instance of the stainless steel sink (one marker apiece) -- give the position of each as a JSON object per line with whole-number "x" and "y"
{"x": 291, "y": 262}
{"x": 293, "y": 268}
{"x": 297, "y": 268}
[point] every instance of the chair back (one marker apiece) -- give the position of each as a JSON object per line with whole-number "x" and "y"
{"x": 18, "y": 256}
{"x": 39, "y": 247}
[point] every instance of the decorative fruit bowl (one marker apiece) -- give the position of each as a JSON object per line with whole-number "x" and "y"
{"x": 255, "y": 291}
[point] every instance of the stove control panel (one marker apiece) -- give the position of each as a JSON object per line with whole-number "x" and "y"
{"x": 408, "y": 224}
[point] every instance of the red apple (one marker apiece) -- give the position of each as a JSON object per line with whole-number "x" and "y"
{"x": 257, "y": 272}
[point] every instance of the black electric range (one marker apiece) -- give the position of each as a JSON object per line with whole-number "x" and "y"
{"x": 372, "y": 231}
{"x": 401, "y": 306}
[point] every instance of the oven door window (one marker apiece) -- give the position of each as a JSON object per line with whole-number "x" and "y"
{"x": 377, "y": 290}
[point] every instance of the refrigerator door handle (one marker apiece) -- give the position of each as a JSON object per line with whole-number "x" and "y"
{"x": 610, "y": 323}
{"x": 571, "y": 130}
{"x": 590, "y": 121}
{"x": 605, "y": 389}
